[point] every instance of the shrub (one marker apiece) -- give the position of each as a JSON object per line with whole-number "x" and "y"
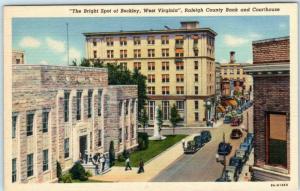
{"x": 111, "y": 153}
{"x": 58, "y": 171}
{"x": 143, "y": 141}
{"x": 88, "y": 173}
{"x": 121, "y": 158}
{"x": 67, "y": 178}
{"x": 78, "y": 172}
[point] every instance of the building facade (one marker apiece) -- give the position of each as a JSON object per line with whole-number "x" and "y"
{"x": 179, "y": 65}
{"x": 18, "y": 57}
{"x": 59, "y": 113}
{"x": 270, "y": 71}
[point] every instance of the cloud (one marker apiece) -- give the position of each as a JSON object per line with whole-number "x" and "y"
{"x": 29, "y": 42}
{"x": 44, "y": 62}
{"x": 73, "y": 54}
{"x": 254, "y": 35}
{"x": 234, "y": 41}
{"x": 55, "y": 45}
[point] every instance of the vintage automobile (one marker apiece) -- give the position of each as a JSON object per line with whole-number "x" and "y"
{"x": 198, "y": 141}
{"x": 206, "y": 136}
{"x": 239, "y": 111}
{"x": 237, "y": 162}
{"x": 227, "y": 119}
{"x": 224, "y": 148}
{"x": 236, "y": 134}
{"x": 231, "y": 173}
{"x": 246, "y": 147}
{"x": 241, "y": 154}
{"x": 190, "y": 148}
{"x": 235, "y": 121}
{"x": 249, "y": 138}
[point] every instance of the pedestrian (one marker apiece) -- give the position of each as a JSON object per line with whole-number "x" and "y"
{"x": 246, "y": 177}
{"x": 102, "y": 161}
{"x": 86, "y": 156}
{"x": 127, "y": 164}
{"x": 97, "y": 168}
{"x": 217, "y": 157}
{"x": 141, "y": 166}
{"x": 183, "y": 144}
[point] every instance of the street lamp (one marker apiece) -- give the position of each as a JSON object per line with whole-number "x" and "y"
{"x": 208, "y": 105}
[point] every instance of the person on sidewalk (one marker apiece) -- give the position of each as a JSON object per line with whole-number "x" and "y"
{"x": 217, "y": 157}
{"x": 141, "y": 166}
{"x": 127, "y": 164}
{"x": 102, "y": 161}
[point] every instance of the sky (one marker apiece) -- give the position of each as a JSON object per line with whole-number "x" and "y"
{"x": 44, "y": 39}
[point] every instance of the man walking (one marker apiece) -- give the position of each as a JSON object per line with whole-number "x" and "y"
{"x": 102, "y": 161}
{"x": 127, "y": 164}
{"x": 141, "y": 166}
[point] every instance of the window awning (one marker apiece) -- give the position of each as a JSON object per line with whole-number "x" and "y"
{"x": 179, "y": 50}
{"x": 195, "y": 37}
{"x": 179, "y": 37}
{"x": 232, "y": 102}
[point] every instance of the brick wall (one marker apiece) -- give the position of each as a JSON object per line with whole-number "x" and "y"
{"x": 271, "y": 51}
{"x": 270, "y": 94}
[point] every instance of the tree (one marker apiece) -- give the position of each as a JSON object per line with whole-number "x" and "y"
{"x": 111, "y": 153}
{"x": 175, "y": 117}
{"x": 144, "y": 118}
{"x": 159, "y": 118}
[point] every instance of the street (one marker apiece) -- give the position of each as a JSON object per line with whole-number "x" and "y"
{"x": 200, "y": 166}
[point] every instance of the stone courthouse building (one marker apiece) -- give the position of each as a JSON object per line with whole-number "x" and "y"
{"x": 60, "y": 112}
{"x": 179, "y": 65}
{"x": 271, "y": 78}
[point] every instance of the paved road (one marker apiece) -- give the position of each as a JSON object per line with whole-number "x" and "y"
{"x": 202, "y": 165}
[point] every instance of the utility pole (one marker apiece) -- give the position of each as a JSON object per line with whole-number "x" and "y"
{"x": 68, "y": 53}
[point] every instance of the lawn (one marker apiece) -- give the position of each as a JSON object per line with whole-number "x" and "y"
{"x": 87, "y": 181}
{"x": 154, "y": 149}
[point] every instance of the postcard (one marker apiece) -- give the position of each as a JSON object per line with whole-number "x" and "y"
{"x": 151, "y": 96}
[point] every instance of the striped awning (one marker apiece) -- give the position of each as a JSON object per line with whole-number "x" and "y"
{"x": 179, "y": 50}
{"x": 179, "y": 37}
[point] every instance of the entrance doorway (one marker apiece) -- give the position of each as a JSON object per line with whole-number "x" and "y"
{"x": 82, "y": 145}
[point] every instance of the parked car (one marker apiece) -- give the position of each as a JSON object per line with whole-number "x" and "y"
{"x": 206, "y": 136}
{"x": 198, "y": 141}
{"x": 246, "y": 147}
{"x": 190, "y": 147}
{"x": 224, "y": 148}
{"x": 227, "y": 119}
{"x": 248, "y": 140}
{"x": 237, "y": 162}
{"x": 241, "y": 154}
{"x": 235, "y": 122}
{"x": 231, "y": 173}
{"x": 250, "y": 137}
{"x": 236, "y": 134}
{"x": 239, "y": 111}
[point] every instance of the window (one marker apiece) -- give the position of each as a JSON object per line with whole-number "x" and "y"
{"x": 238, "y": 71}
{"x": 91, "y": 140}
{"x": 165, "y": 78}
{"x": 126, "y": 107}
{"x": 14, "y": 125}
{"x": 29, "y": 123}
{"x": 276, "y": 143}
{"x": 196, "y": 116}
{"x": 196, "y": 65}
{"x": 90, "y": 97}
{"x": 18, "y": 61}
{"x": 165, "y": 52}
{"x": 110, "y": 53}
{"x": 180, "y": 105}
{"x": 123, "y": 53}
{"x": 179, "y": 39}
{"x": 95, "y": 53}
{"x": 120, "y": 107}
{"x": 14, "y": 170}
{"x": 94, "y": 42}
{"x": 45, "y": 160}
{"x": 225, "y": 71}
{"x": 66, "y": 148}
{"x": 126, "y": 132}
{"x": 231, "y": 71}
{"x": 196, "y": 77}
{"x": 179, "y": 78}
{"x": 151, "y": 65}
{"x": 179, "y": 90}
{"x": 165, "y": 110}
{"x": 195, "y": 40}
{"x": 132, "y": 106}
{"x": 165, "y": 90}
{"x": 151, "y": 78}
{"x": 137, "y": 53}
{"x": 151, "y": 53}
{"x": 78, "y": 105}
{"x": 123, "y": 65}
{"x": 196, "y": 90}
{"x": 29, "y": 165}
{"x": 164, "y": 39}
{"x": 99, "y": 102}
{"x": 99, "y": 138}
{"x": 66, "y": 105}
{"x": 136, "y": 40}
{"x": 151, "y": 40}
{"x": 120, "y": 135}
{"x": 151, "y": 109}
{"x": 45, "y": 116}
{"x": 109, "y": 41}
{"x": 123, "y": 41}
{"x": 179, "y": 52}
{"x": 196, "y": 104}
{"x": 165, "y": 66}
{"x": 132, "y": 131}
{"x": 196, "y": 52}
{"x": 137, "y": 65}
{"x": 179, "y": 66}
{"x": 151, "y": 90}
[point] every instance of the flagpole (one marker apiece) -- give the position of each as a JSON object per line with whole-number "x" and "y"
{"x": 68, "y": 54}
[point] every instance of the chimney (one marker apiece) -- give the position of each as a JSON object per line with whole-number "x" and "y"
{"x": 232, "y": 57}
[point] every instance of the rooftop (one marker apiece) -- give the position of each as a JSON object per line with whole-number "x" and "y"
{"x": 53, "y": 67}
{"x": 271, "y": 40}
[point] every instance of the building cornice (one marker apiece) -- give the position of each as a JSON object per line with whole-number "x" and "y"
{"x": 279, "y": 69}
{"x": 271, "y": 40}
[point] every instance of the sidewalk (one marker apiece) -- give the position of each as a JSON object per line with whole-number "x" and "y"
{"x": 152, "y": 167}
{"x": 250, "y": 162}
